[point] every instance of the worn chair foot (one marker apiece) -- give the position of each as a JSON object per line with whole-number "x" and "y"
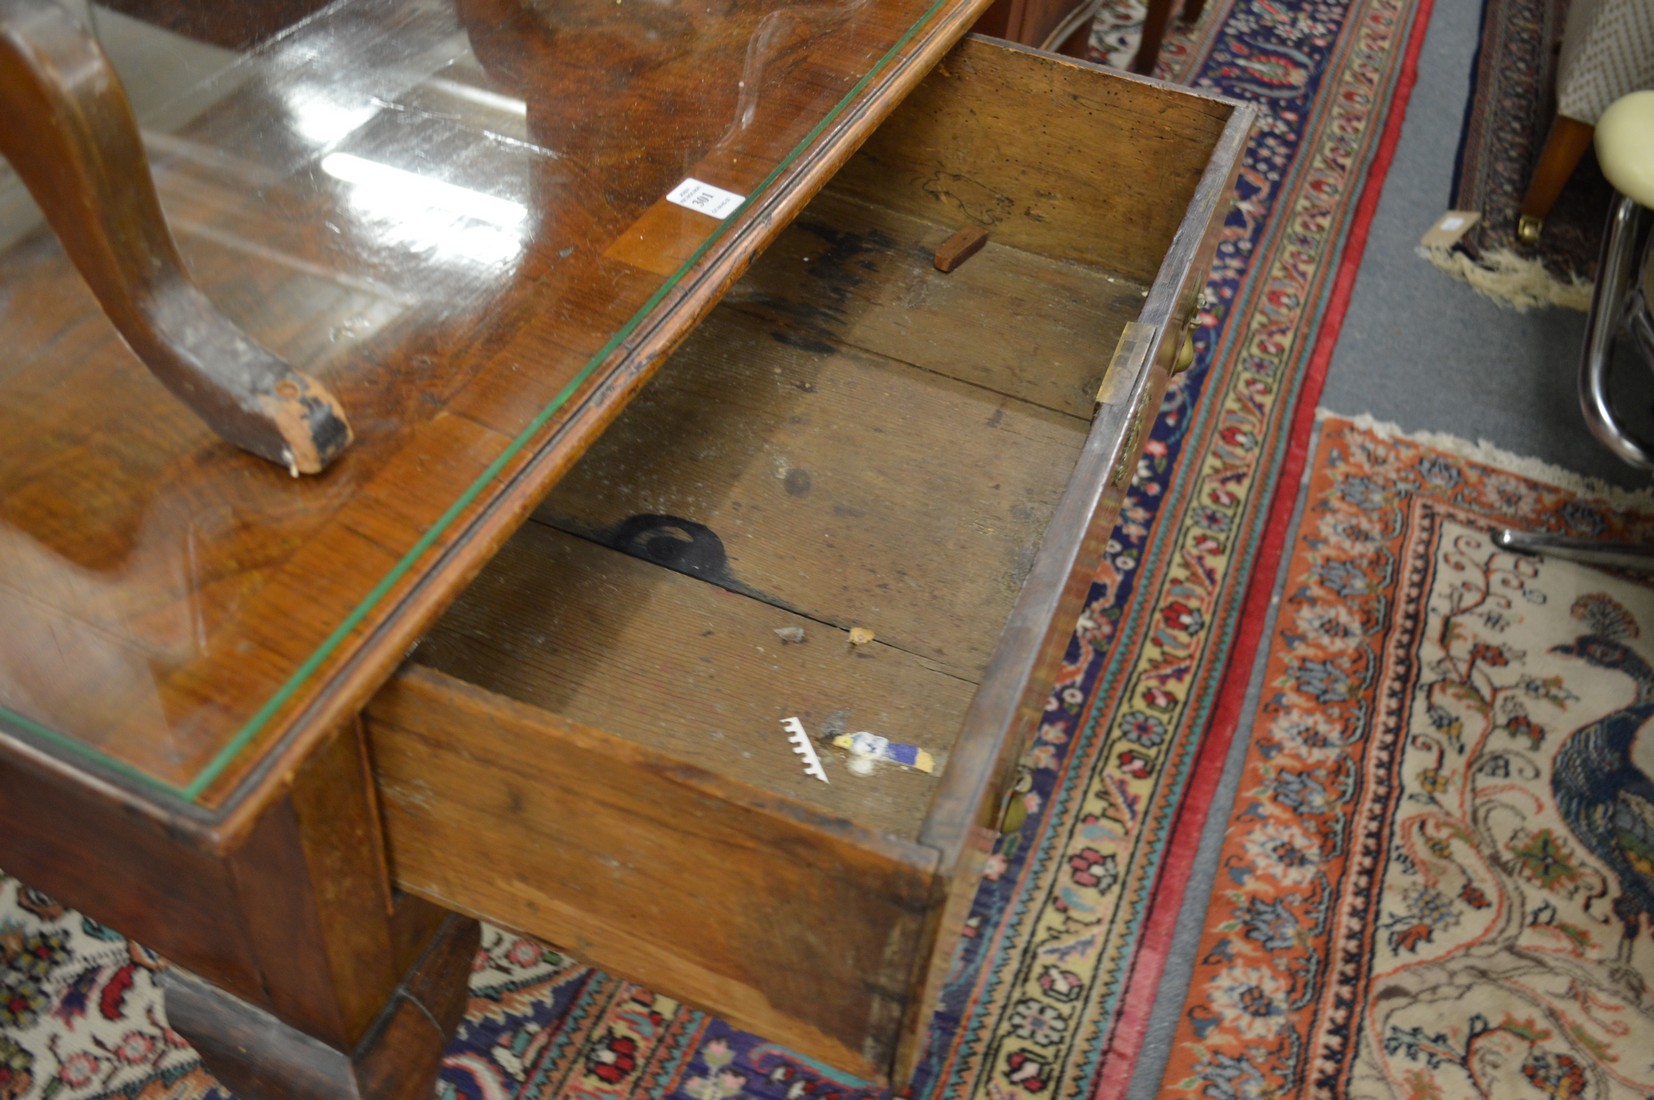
{"x": 1564, "y": 145}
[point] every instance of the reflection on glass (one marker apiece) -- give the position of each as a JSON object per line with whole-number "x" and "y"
{"x": 482, "y": 97}
{"x": 321, "y": 119}
{"x": 430, "y": 215}
{"x": 99, "y": 635}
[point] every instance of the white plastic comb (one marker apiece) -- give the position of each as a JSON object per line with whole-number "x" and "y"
{"x": 802, "y": 746}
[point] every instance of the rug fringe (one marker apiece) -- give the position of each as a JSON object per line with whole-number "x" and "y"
{"x": 1488, "y": 454}
{"x": 1520, "y": 282}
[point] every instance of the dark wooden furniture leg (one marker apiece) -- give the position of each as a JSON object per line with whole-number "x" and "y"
{"x": 306, "y": 976}
{"x": 257, "y": 1056}
{"x": 1192, "y": 10}
{"x": 357, "y": 1010}
{"x": 1564, "y": 145}
{"x": 1154, "y": 32}
{"x": 69, "y": 132}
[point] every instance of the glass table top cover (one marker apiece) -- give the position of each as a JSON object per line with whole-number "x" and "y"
{"x": 458, "y": 215}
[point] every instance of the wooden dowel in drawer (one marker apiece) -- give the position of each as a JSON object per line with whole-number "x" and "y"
{"x": 960, "y": 247}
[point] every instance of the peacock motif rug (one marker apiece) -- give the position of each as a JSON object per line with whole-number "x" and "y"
{"x": 1065, "y": 943}
{"x": 1438, "y": 876}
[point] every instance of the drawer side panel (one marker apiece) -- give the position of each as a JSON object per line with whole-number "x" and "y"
{"x": 1006, "y": 712}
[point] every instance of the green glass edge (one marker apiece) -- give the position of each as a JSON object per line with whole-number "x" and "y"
{"x": 222, "y": 760}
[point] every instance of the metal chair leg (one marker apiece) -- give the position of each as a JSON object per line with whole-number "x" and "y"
{"x": 1618, "y": 302}
{"x": 1621, "y": 555}
{"x": 1639, "y": 320}
{"x": 1616, "y": 299}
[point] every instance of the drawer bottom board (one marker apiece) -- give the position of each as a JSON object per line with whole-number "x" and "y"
{"x": 794, "y": 470}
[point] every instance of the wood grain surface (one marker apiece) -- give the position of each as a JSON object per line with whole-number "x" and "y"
{"x": 1016, "y": 322}
{"x": 672, "y": 662}
{"x": 980, "y": 142}
{"x": 800, "y": 925}
{"x": 843, "y": 486}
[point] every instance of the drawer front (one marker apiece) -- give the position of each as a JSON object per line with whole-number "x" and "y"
{"x": 794, "y": 924}
{"x": 588, "y": 747}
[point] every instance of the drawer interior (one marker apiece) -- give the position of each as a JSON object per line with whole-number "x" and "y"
{"x": 851, "y": 439}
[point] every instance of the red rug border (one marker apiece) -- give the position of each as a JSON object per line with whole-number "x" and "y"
{"x": 1178, "y": 863}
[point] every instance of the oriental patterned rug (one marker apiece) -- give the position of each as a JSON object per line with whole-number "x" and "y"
{"x": 1506, "y": 119}
{"x": 1116, "y": 30}
{"x": 1438, "y": 876}
{"x": 1066, "y": 941}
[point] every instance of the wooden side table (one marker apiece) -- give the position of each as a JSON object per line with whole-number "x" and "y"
{"x": 281, "y": 730}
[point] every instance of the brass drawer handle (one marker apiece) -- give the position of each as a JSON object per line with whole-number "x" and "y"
{"x": 1013, "y": 808}
{"x": 1131, "y": 353}
{"x": 1186, "y": 347}
{"x": 1185, "y": 352}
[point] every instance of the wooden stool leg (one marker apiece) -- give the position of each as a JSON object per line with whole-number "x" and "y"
{"x": 1192, "y": 10}
{"x": 70, "y": 134}
{"x": 1564, "y": 145}
{"x": 1154, "y": 32}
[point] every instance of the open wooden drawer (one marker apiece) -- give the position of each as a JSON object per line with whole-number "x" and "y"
{"x": 589, "y": 746}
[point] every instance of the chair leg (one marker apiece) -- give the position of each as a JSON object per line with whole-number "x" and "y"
{"x": 1639, "y": 313}
{"x": 1192, "y": 10}
{"x": 1616, "y": 280}
{"x": 1154, "y": 31}
{"x": 1620, "y": 555}
{"x": 1564, "y": 145}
